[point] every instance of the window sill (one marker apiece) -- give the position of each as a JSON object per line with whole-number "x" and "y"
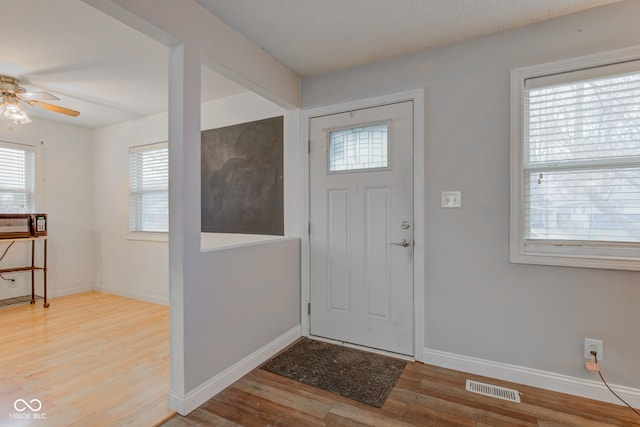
{"x": 148, "y": 236}
{"x": 573, "y": 260}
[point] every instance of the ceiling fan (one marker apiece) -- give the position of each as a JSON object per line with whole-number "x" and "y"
{"x": 11, "y": 94}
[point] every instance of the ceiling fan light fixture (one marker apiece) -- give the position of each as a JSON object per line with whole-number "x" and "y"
{"x": 16, "y": 114}
{"x": 11, "y": 94}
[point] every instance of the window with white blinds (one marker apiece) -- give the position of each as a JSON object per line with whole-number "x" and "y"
{"x": 17, "y": 178}
{"x": 149, "y": 188}
{"x": 578, "y": 167}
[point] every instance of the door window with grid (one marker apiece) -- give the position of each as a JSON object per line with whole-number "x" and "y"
{"x": 359, "y": 148}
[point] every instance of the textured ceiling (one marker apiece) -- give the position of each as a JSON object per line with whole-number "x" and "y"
{"x": 317, "y": 36}
{"x": 112, "y": 73}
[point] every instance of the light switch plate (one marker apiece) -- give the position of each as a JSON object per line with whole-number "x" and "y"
{"x": 451, "y": 199}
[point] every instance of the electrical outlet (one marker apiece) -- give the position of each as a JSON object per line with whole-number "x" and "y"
{"x": 12, "y": 284}
{"x": 593, "y": 345}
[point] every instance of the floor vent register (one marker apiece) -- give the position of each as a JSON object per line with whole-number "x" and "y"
{"x": 493, "y": 391}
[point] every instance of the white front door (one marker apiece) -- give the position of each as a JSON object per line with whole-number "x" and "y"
{"x": 361, "y": 227}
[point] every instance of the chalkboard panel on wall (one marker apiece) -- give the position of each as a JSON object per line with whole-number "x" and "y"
{"x": 241, "y": 172}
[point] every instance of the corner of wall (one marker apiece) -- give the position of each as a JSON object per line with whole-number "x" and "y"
{"x": 183, "y": 404}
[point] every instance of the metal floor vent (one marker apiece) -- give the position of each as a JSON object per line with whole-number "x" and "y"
{"x": 493, "y": 391}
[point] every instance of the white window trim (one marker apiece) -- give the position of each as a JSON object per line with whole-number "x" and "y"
{"x": 139, "y": 235}
{"x": 619, "y": 257}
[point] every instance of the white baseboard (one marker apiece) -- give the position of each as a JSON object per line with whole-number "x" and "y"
{"x": 183, "y": 404}
{"x": 591, "y": 389}
{"x": 154, "y": 299}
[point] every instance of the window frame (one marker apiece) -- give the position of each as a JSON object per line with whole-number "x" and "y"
{"x": 618, "y": 256}
{"x": 136, "y": 234}
{"x": 35, "y": 174}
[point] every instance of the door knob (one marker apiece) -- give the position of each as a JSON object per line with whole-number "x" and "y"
{"x": 404, "y": 243}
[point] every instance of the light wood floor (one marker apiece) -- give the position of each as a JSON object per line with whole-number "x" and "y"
{"x": 423, "y": 396}
{"x": 91, "y": 359}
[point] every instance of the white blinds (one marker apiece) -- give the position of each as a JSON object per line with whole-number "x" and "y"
{"x": 17, "y": 178}
{"x": 149, "y": 188}
{"x": 582, "y": 158}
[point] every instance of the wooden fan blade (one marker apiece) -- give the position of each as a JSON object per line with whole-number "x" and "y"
{"x": 55, "y": 108}
{"x": 36, "y": 96}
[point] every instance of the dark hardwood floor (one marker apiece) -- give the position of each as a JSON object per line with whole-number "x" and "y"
{"x": 423, "y": 396}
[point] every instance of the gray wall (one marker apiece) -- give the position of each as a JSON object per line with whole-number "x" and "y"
{"x": 477, "y": 304}
{"x": 251, "y": 297}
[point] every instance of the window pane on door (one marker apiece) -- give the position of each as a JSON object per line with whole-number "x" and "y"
{"x": 359, "y": 148}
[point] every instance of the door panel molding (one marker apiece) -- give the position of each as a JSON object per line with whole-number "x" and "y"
{"x": 339, "y": 239}
{"x": 417, "y": 96}
{"x": 377, "y": 277}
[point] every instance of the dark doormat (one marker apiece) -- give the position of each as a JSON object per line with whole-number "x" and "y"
{"x": 355, "y": 374}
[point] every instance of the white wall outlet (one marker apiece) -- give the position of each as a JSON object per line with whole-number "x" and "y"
{"x": 595, "y": 345}
{"x": 451, "y": 199}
